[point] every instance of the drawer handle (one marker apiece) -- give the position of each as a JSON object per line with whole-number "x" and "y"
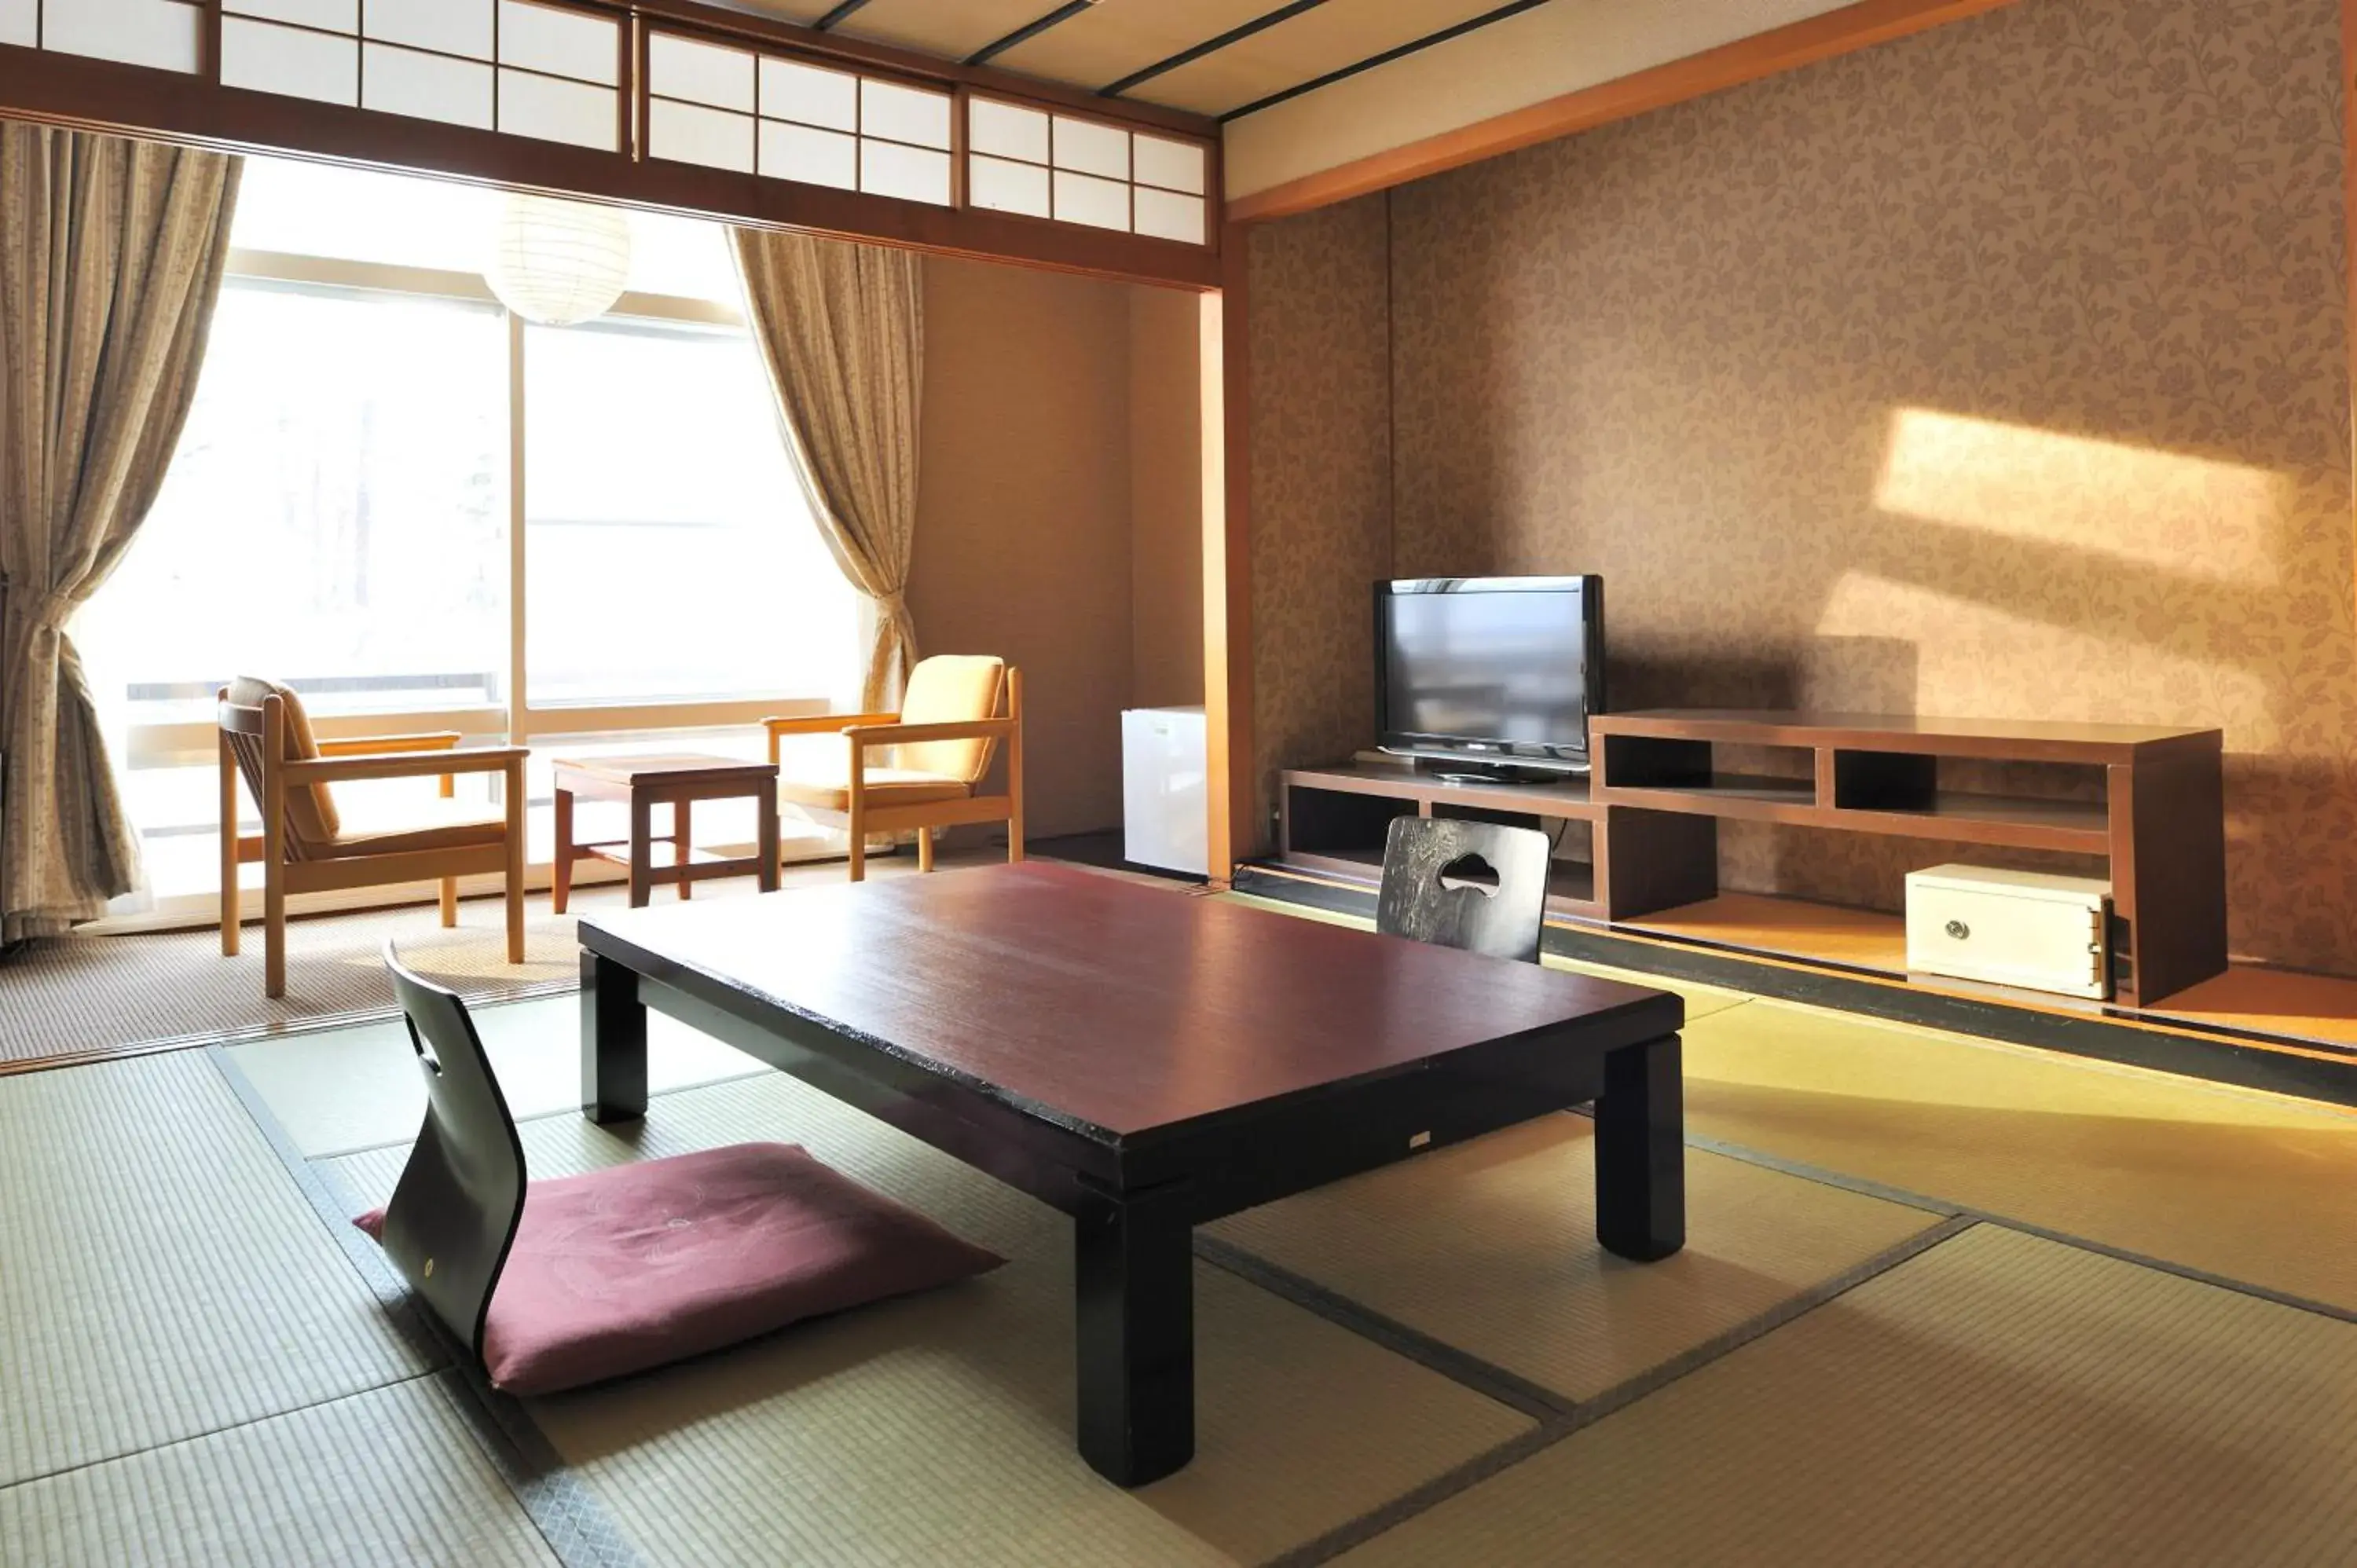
{"x": 1958, "y": 929}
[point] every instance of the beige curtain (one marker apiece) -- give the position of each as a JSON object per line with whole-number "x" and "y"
{"x": 842, "y": 329}
{"x": 111, "y": 260}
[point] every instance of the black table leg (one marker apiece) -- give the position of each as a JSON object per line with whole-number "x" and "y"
{"x": 613, "y": 1042}
{"x": 1640, "y": 1152}
{"x": 1136, "y": 1278}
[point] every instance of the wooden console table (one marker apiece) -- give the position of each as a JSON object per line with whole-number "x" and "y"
{"x": 2156, "y": 807}
{"x": 2148, "y": 799}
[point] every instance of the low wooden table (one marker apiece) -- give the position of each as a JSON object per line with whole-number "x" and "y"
{"x": 1146, "y": 1061}
{"x": 677, "y": 781}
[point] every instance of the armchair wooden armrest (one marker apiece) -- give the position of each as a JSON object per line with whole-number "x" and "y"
{"x": 430, "y": 740}
{"x": 403, "y": 765}
{"x": 387, "y": 745}
{"x": 862, "y": 737}
{"x": 819, "y": 724}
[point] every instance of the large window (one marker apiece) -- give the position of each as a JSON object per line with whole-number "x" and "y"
{"x": 371, "y": 439}
{"x": 654, "y": 473}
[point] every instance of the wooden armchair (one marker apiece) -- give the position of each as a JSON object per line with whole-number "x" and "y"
{"x": 303, "y": 845}
{"x": 957, "y": 709}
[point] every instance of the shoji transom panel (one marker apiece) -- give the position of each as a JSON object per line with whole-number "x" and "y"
{"x": 670, "y": 90}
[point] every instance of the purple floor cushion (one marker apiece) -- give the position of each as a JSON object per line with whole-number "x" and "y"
{"x": 639, "y": 1264}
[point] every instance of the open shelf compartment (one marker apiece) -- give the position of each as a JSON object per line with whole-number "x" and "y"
{"x": 1333, "y": 820}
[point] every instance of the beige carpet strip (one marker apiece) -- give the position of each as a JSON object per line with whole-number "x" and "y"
{"x": 1999, "y": 1399}
{"x": 1490, "y": 1248}
{"x": 939, "y": 1428}
{"x": 89, "y": 997}
{"x": 160, "y": 1276}
{"x": 1701, "y": 999}
{"x": 83, "y": 998}
{"x": 2229, "y": 1182}
{"x": 385, "y": 1477}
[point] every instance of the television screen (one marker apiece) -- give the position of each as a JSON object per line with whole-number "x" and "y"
{"x": 1511, "y": 665}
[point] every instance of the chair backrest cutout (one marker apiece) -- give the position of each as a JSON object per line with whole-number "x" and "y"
{"x": 1477, "y": 885}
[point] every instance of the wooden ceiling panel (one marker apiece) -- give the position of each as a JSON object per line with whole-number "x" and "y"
{"x": 804, "y": 12}
{"x": 947, "y": 29}
{"x": 1114, "y": 37}
{"x": 1304, "y": 48}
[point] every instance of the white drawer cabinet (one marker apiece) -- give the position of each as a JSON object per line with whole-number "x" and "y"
{"x": 2027, "y": 929}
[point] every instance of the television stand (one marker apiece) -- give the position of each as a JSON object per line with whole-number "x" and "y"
{"x": 1641, "y": 838}
{"x": 2149, "y": 800}
{"x": 1332, "y": 821}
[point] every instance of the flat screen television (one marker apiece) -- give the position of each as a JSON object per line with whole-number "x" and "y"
{"x": 1493, "y": 670}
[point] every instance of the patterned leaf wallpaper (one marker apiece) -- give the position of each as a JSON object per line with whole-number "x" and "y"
{"x": 1322, "y": 525}
{"x": 1999, "y": 371}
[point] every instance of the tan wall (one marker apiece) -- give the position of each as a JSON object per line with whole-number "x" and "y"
{"x": 1991, "y": 372}
{"x": 1054, "y": 492}
{"x": 1166, "y": 498}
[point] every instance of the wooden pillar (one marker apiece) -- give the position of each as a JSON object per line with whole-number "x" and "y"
{"x": 1227, "y": 564}
{"x": 2349, "y": 182}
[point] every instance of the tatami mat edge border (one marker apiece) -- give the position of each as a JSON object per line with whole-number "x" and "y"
{"x": 1508, "y": 1389}
{"x": 1588, "y": 1412}
{"x": 1866, "y": 1188}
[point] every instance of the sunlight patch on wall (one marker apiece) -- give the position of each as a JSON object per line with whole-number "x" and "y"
{"x": 1975, "y": 660}
{"x": 2193, "y": 517}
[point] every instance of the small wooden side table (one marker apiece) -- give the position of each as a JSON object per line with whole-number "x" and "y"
{"x": 676, "y": 781}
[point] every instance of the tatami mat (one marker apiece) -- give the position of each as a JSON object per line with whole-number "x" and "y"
{"x": 1701, "y": 999}
{"x": 939, "y": 1428}
{"x": 1490, "y": 1247}
{"x": 386, "y": 1478}
{"x": 160, "y": 1276}
{"x": 337, "y": 1090}
{"x": 2246, "y": 1185}
{"x": 1999, "y": 1399}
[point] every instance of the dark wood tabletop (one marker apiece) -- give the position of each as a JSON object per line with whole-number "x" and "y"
{"x": 1117, "y": 1008}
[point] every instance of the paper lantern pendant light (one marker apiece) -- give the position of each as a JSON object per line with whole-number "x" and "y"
{"x": 557, "y": 261}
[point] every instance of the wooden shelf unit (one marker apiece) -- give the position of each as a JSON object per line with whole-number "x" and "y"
{"x": 2158, "y": 818}
{"x": 2155, "y": 812}
{"x": 1332, "y": 820}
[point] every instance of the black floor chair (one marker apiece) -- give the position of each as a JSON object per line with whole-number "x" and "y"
{"x": 1477, "y": 885}
{"x": 628, "y": 1267}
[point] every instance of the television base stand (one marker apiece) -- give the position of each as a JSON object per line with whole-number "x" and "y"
{"x": 1458, "y": 769}
{"x": 1478, "y": 776}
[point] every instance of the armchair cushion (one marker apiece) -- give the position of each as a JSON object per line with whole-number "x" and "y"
{"x": 637, "y": 1265}
{"x": 828, "y": 789}
{"x": 310, "y": 810}
{"x": 945, "y": 689}
{"x": 419, "y": 824}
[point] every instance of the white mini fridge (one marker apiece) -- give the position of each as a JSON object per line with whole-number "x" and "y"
{"x": 1164, "y": 795}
